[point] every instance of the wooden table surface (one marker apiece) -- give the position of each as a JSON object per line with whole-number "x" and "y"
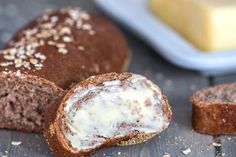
{"x": 178, "y": 84}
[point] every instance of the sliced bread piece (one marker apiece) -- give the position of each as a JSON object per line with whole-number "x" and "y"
{"x": 214, "y": 110}
{"x": 23, "y": 100}
{"x": 106, "y": 110}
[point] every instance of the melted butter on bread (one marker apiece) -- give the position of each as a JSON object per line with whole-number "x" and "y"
{"x": 112, "y": 109}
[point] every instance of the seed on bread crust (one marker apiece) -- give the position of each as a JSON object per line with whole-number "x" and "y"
{"x": 57, "y": 45}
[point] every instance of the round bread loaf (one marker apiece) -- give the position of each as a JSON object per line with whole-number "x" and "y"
{"x": 48, "y": 55}
{"x": 106, "y": 110}
{"x": 214, "y": 110}
{"x": 65, "y": 47}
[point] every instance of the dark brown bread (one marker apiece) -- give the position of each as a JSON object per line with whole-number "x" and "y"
{"x": 62, "y": 136}
{"x": 214, "y": 110}
{"x": 23, "y": 100}
{"x": 71, "y": 45}
{"x": 48, "y": 55}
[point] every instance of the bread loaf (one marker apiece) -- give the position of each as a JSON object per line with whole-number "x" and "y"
{"x": 106, "y": 110}
{"x": 214, "y": 110}
{"x": 65, "y": 47}
{"x": 48, "y": 55}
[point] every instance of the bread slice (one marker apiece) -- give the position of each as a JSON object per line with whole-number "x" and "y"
{"x": 106, "y": 110}
{"x": 52, "y": 52}
{"x": 23, "y": 100}
{"x": 214, "y": 110}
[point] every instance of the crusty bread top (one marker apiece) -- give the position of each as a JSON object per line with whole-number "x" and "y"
{"x": 111, "y": 107}
{"x": 219, "y": 94}
{"x": 65, "y": 47}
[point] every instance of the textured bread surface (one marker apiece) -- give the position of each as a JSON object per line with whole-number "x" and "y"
{"x": 65, "y": 135}
{"x": 58, "y": 48}
{"x": 65, "y": 47}
{"x": 23, "y": 99}
{"x": 214, "y": 110}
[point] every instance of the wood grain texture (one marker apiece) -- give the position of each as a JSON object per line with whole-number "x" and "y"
{"x": 177, "y": 84}
{"x": 228, "y": 143}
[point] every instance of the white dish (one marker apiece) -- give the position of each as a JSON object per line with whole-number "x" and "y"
{"x": 137, "y": 16}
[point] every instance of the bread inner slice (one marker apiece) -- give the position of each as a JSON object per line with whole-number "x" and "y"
{"x": 23, "y": 100}
{"x": 113, "y": 109}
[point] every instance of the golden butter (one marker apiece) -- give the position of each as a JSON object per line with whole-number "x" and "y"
{"x": 210, "y": 25}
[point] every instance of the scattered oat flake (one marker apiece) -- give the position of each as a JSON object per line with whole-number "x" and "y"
{"x": 187, "y": 151}
{"x": 51, "y": 43}
{"x": 69, "y": 21}
{"x": 33, "y": 61}
{"x": 216, "y": 144}
{"x": 87, "y": 27}
{"x": 63, "y": 50}
{"x": 91, "y": 32}
{"x": 67, "y": 39}
{"x": 18, "y": 73}
{"x": 65, "y": 30}
{"x": 81, "y": 48}
{"x": 79, "y": 24}
{"x": 9, "y": 57}
{"x": 16, "y": 143}
{"x": 60, "y": 45}
{"x": 119, "y": 153}
{"x": 85, "y": 16}
{"x": 23, "y": 53}
{"x": 4, "y": 64}
{"x": 54, "y": 19}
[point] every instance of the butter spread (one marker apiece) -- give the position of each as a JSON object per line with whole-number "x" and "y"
{"x": 112, "y": 109}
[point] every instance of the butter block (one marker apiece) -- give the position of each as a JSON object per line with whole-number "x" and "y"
{"x": 210, "y": 25}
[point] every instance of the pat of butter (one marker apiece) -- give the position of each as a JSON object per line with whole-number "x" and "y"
{"x": 208, "y": 24}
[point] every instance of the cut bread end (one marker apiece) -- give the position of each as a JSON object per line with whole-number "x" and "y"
{"x": 214, "y": 110}
{"x": 106, "y": 110}
{"x": 23, "y": 99}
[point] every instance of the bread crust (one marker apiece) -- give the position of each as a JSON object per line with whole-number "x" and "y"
{"x": 106, "y": 50}
{"x": 52, "y": 131}
{"x": 217, "y": 117}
